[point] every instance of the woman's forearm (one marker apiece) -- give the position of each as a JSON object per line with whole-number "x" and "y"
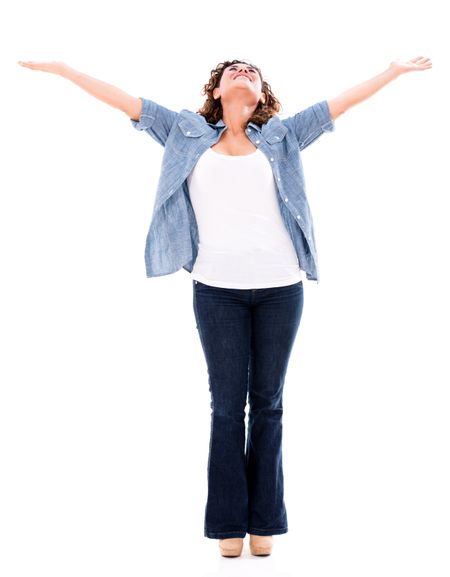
{"x": 360, "y": 92}
{"x": 102, "y": 90}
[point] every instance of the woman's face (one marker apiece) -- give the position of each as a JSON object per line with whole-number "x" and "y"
{"x": 240, "y": 81}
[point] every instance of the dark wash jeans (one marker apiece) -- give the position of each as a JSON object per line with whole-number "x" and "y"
{"x": 247, "y": 336}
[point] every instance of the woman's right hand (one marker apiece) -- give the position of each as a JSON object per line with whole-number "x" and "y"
{"x": 102, "y": 90}
{"x": 54, "y": 67}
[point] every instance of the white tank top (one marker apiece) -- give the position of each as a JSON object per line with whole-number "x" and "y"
{"x": 243, "y": 241}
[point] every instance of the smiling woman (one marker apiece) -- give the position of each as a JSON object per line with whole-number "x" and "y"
{"x": 267, "y": 105}
{"x": 240, "y": 223}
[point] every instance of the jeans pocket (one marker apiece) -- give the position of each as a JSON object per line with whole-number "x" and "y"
{"x": 199, "y": 285}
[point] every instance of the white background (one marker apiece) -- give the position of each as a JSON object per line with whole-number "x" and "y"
{"x": 105, "y": 408}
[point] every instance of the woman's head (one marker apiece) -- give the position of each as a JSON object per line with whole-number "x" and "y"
{"x": 236, "y": 77}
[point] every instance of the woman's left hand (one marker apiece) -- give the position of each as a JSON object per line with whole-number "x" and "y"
{"x": 417, "y": 63}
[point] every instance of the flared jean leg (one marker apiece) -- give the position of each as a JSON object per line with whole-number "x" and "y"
{"x": 275, "y": 322}
{"x": 223, "y": 323}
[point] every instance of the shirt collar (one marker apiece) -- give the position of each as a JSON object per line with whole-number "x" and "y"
{"x": 220, "y": 123}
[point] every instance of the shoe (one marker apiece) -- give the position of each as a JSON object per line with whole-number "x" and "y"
{"x": 231, "y": 547}
{"x": 261, "y": 544}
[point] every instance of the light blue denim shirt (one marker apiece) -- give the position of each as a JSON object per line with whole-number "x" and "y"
{"x": 172, "y": 239}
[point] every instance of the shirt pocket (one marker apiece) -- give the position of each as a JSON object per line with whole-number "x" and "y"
{"x": 280, "y": 149}
{"x": 187, "y": 137}
{"x": 278, "y": 143}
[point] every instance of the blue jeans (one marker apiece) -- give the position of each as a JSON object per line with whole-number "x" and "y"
{"x": 247, "y": 336}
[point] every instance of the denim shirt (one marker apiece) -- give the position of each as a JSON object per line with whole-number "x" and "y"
{"x": 172, "y": 238}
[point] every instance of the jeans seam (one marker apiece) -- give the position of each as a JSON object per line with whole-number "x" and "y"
{"x": 276, "y": 529}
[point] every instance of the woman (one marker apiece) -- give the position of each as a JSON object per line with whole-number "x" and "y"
{"x": 231, "y": 209}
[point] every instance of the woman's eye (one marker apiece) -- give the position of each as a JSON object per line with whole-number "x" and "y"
{"x": 234, "y": 68}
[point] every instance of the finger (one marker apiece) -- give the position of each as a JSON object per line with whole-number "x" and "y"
{"x": 424, "y": 66}
{"x": 32, "y": 65}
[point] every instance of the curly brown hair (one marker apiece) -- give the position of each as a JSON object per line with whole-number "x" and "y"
{"x": 212, "y": 109}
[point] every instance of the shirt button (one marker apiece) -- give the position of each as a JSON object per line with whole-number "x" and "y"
{"x": 249, "y": 129}
{"x": 257, "y": 142}
{"x": 286, "y": 198}
{"x": 279, "y": 178}
{"x": 298, "y": 216}
{"x": 277, "y": 137}
{"x": 271, "y": 159}
{"x": 188, "y": 132}
{"x": 309, "y": 238}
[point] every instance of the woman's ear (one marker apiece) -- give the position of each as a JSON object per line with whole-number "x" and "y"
{"x": 216, "y": 93}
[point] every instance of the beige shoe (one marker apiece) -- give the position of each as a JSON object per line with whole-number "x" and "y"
{"x": 261, "y": 544}
{"x": 231, "y": 547}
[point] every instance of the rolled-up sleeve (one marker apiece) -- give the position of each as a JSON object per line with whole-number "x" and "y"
{"x": 310, "y": 123}
{"x": 155, "y": 119}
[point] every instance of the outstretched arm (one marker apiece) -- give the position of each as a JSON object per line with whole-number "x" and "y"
{"x": 108, "y": 93}
{"x": 362, "y": 91}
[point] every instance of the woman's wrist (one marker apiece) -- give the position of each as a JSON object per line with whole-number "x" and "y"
{"x": 67, "y": 71}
